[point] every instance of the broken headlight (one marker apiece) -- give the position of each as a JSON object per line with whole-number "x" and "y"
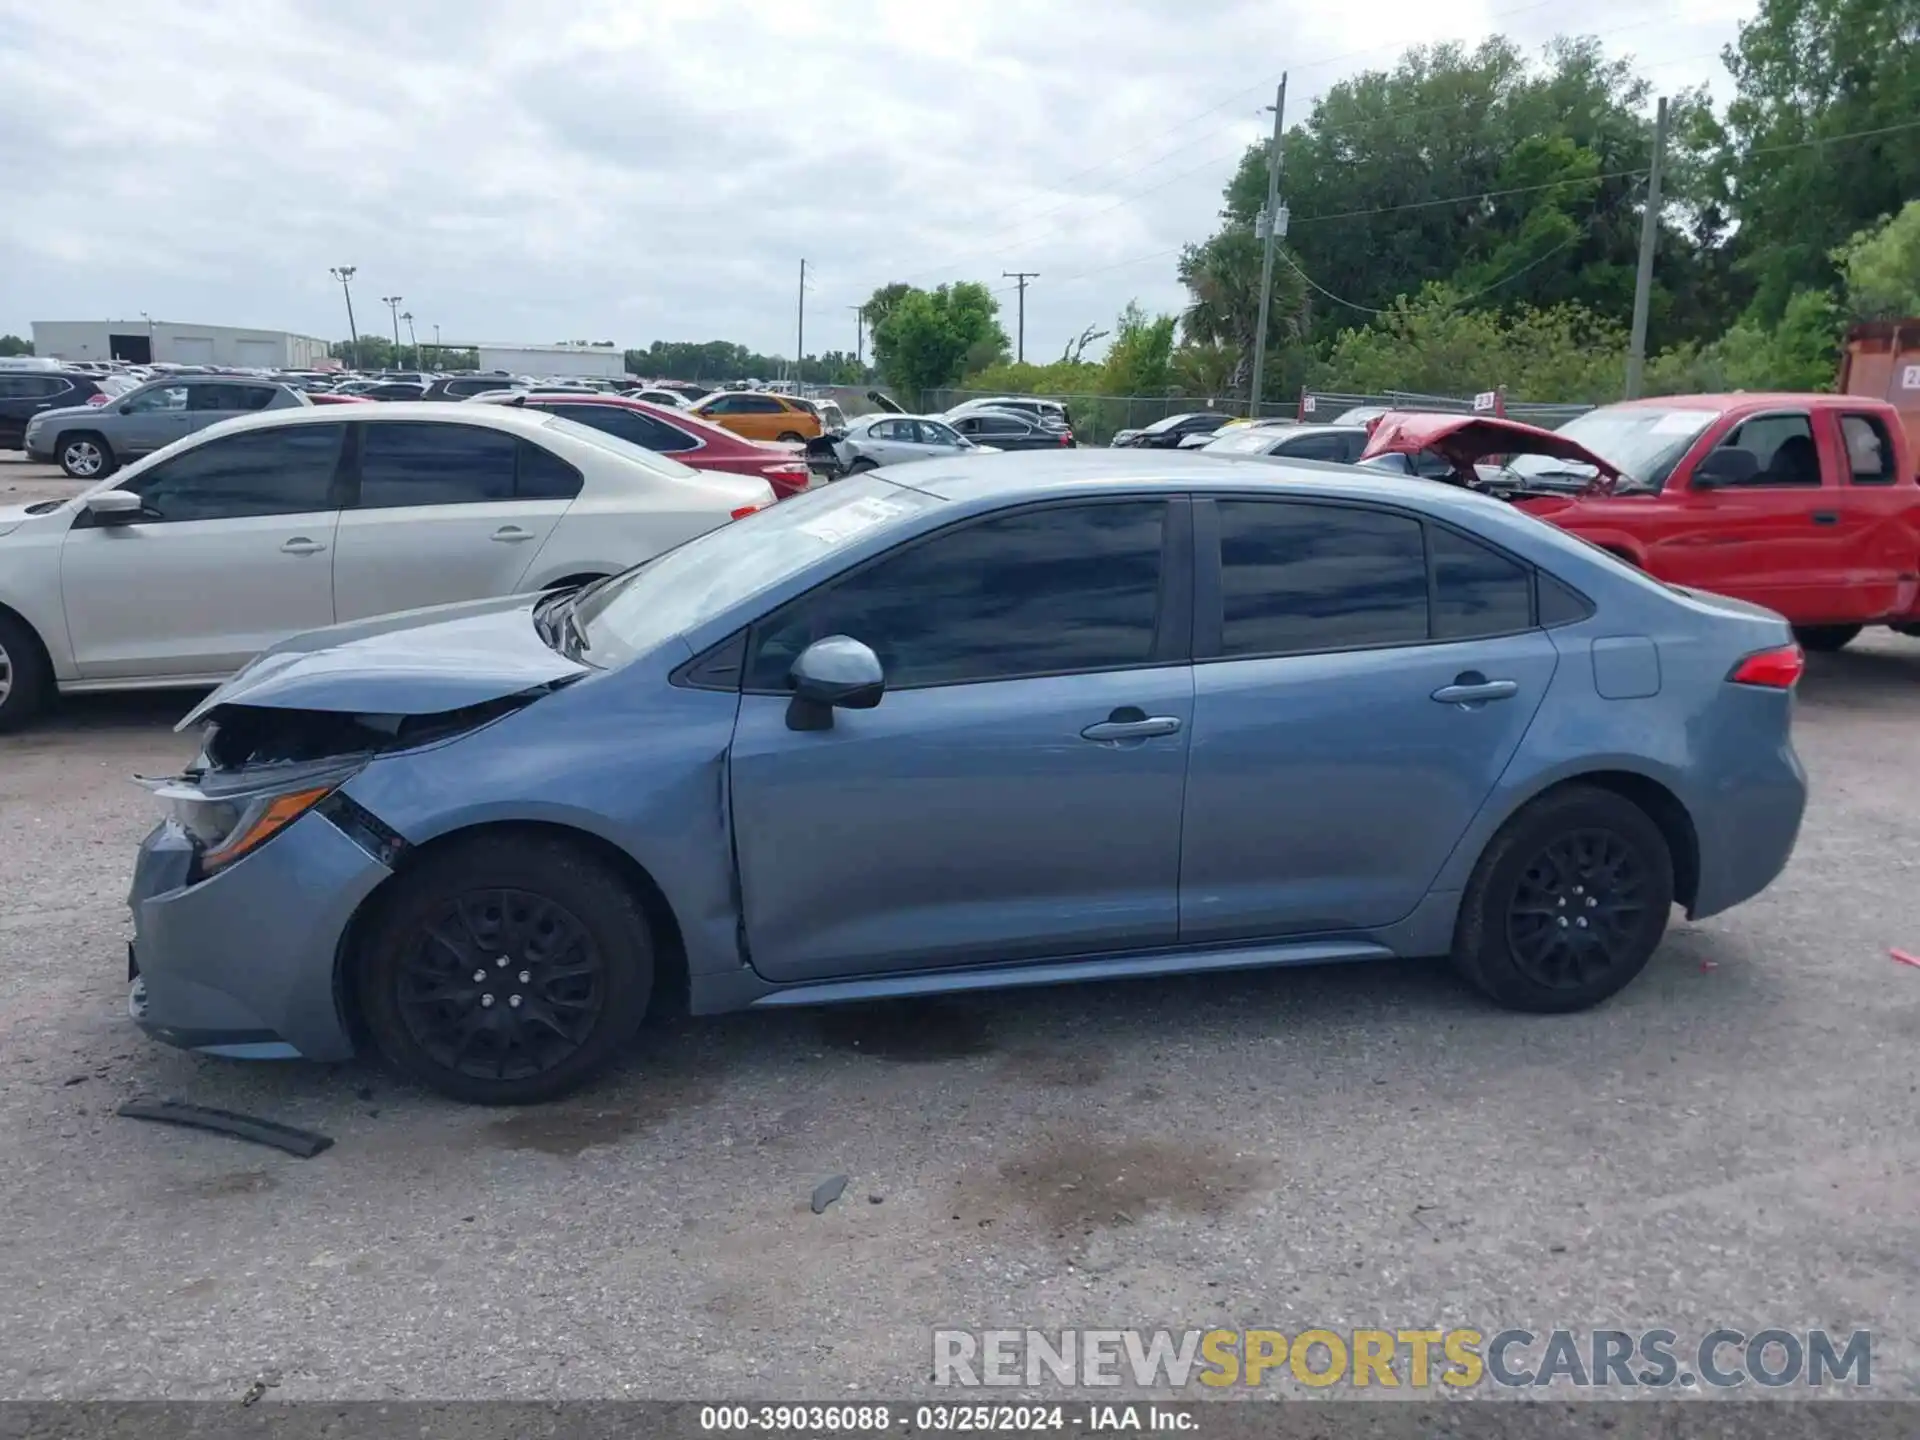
{"x": 231, "y": 815}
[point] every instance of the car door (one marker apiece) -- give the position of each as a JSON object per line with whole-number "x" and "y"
{"x": 148, "y": 420}
{"x": 1782, "y": 537}
{"x": 1017, "y": 793}
{"x": 1334, "y": 768}
{"x": 444, "y": 511}
{"x": 892, "y": 441}
{"x": 232, "y": 552}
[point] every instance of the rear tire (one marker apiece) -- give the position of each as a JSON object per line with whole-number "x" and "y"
{"x": 508, "y": 969}
{"x": 1824, "y": 639}
{"x": 1567, "y": 904}
{"x": 789, "y": 437}
{"x": 26, "y": 680}
{"x": 861, "y": 466}
{"x": 86, "y": 456}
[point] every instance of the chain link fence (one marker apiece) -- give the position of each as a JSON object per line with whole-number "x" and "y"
{"x": 1325, "y": 406}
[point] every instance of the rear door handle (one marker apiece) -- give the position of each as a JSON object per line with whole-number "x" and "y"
{"x": 1476, "y": 692}
{"x": 1145, "y": 728}
{"x": 1826, "y": 517}
{"x": 301, "y": 545}
{"x": 511, "y": 535}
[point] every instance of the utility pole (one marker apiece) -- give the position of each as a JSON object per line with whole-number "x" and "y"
{"x": 344, "y": 274}
{"x": 436, "y": 345}
{"x": 1273, "y": 221}
{"x": 413, "y": 340}
{"x": 1020, "y": 279}
{"x": 800, "y": 326}
{"x": 1649, "y": 233}
{"x": 392, "y": 302}
{"x": 859, "y": 331}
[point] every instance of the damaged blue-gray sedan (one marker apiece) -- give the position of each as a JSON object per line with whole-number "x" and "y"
{"x": 1017, "y": 720}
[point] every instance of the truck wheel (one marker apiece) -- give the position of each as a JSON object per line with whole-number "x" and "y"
{"x": 87, "y": 457}
{"x": 25, "y": 680}
{"x": 1824, "y": 638}
{"x": 1567, "y": 903}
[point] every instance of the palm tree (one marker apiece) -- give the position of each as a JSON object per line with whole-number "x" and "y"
{"x": 1223, "y": 277}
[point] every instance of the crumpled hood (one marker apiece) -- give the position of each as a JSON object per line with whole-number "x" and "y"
{"x": 1464, "y": 440}
{"x": 419, "y": 662}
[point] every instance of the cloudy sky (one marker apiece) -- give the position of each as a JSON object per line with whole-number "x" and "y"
{"x": 633, "y": 170}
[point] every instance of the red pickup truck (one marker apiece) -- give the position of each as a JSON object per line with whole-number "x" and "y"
{"x": 1807, "y": 504}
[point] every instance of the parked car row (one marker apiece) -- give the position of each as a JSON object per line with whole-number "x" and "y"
{"x": 184, "y": 564}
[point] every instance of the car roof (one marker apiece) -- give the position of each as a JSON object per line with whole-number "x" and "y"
{"x": 504, "y": 417}
{"x": 1045, "y": 474}
{"x": 1739, "y": 399}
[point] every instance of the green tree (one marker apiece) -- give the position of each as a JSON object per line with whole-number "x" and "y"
{"x": 927, "y": 338}
{"x": 14, "y": 345}
{"x": 1881, "y": 266}
{"x": 880, "y": 304}
{"x": 1139, "y": 362}
{"x": 1807, "y": 71}
{"x": 1222, "y": 276}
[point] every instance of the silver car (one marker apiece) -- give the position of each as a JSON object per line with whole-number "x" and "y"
{"x": 90, "y": 442}
{"x": 876, "y": 440}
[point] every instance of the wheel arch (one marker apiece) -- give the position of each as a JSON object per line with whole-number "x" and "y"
{"x": 1653, "y": 797}
{"x": 670, "y": 982}
{"x": 43, "y": 652}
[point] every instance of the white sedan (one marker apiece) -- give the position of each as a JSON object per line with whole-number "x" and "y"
{"x": 185, "y": 564}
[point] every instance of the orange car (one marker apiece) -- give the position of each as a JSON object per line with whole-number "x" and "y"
{"x": 758, "y": 416}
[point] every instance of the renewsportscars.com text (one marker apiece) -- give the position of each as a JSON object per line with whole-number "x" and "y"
{"x": 1457, "y": 1358}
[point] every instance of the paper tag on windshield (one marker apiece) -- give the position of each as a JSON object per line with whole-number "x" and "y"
{"x": 1682, "y": 422}
{"x": 851, "y": 520}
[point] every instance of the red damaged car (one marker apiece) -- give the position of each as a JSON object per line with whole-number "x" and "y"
{"x": 685, "y": 437}
{"x": 1807, "y": 504}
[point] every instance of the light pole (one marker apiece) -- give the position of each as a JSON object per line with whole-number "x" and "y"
{"x": 413, "y": 339}
{"x": 392, "y": 302}
{"x": 344, "y": 274}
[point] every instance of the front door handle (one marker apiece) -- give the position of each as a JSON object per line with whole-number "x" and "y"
{"x": 1826, "y": 517}
{"x": 301, "y": 545}
{"x": 1130, "y": 723}
{"x": 1474, "y": 688}
{"x": 511, "y": 535}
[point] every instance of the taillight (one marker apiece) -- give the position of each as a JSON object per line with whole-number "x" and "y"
{"x": 1066, "y": 437}
{"x": 743, "y": 512}
{"x": 1771, "y": 669}
{"x": 98, "y": 399}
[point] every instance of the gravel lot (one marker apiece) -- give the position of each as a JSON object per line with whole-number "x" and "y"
{"x": 1729, "y": 1142}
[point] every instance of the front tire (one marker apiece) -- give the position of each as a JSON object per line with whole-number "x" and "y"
{"x": 1825, "y": 638}
{"x": 1567, "y": 904}
{"x": 25, "y": 681}
{"x": 86, "y": 457}
{"x": 508, "y": 969}
{"x": 791, "y": 437}
{"x": 861, "y": 466}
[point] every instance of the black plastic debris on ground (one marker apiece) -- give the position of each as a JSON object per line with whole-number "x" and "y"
{"x": 828, "y": 1191}
{"x": 304, "y": 1143}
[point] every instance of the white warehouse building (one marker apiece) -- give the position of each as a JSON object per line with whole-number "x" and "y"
{"x": 143, "y": 342}
{"x": 604, "y": 362}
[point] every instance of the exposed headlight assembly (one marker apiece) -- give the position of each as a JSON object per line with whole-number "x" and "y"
{"x": 230, "y": 816}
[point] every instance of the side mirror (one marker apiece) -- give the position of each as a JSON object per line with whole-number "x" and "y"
{"x": 125, "y": 407}
{"x": 112, "y": 507}
{"x": 835, "y": 673}
{"x": 1724, "y": 467}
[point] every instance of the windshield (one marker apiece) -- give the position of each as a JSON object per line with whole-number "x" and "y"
{"x": 626, "y": 449}
{"x": 688, "y": 586}
{"x": 1642, "y": 442}
{"x": 1242, "y": 440}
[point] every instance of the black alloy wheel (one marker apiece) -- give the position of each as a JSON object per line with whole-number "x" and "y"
{"x": 1578, "y": 910}
{"x": 501, "y": 984}
{"x": 505, "y": 969}
{"x": 1568, "y": 902}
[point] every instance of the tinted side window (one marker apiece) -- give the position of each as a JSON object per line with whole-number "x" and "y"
{"x": 1782, "y": 448}
{"x": 1313, "y": 447}
{"x": 544, "y": 475}
{"x": 1300, "y": 577}
{"x": 42, "y": 387}
{"x": 1476, "y": 591}
{"x": 421, "y": 463}
{"x": 161, "y": 397}
{"x": 1039, "y": 592}
{"x": 757, "y": 405}
{"x": 226, "y": 397}
{"x": 635, "y": 426}
{"x": 287, "y": 471}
